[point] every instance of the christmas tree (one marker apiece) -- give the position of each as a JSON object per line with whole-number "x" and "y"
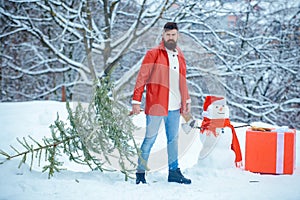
{"x": 99, "y": 135}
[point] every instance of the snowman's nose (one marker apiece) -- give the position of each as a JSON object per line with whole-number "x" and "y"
{"x": 221, "y": 108}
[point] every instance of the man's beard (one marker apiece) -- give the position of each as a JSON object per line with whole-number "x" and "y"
{"x": 170, "y": 44}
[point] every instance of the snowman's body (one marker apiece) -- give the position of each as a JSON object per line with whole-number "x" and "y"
{"x": 216, "y": 151}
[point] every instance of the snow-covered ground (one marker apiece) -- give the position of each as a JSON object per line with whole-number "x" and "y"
{"x": 33, "y": 118}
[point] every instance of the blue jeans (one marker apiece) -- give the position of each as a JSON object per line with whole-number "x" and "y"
{"x": 171, "y": 127}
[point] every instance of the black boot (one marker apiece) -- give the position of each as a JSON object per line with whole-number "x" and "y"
{"x": 140, "y": 177}
{"x": 176, "y": 176}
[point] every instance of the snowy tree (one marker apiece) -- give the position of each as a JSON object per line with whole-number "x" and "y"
{"x": 251, "y": 56}
{"x": 50, "y": 44}
{"x": 247, "y": 50}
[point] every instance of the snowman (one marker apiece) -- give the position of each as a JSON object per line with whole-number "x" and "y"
{"x": 221, "y": 147}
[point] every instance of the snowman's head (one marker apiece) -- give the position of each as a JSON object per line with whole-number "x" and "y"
{"x": 215, "y": 107}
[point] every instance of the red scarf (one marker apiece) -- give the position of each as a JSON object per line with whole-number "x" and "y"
{"x": 210, "y": 126}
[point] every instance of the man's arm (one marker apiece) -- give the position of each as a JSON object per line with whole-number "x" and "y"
{"x": 142, "y": 78}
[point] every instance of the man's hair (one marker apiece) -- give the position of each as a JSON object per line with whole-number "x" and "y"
{"x": 170, "y": 26}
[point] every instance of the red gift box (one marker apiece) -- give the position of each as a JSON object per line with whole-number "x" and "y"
{"x": 270, "y": 152}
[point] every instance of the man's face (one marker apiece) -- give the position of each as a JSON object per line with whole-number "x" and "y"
{"x": 170, "y": 38}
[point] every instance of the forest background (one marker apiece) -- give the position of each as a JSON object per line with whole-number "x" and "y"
{"x": 245, "y": 50}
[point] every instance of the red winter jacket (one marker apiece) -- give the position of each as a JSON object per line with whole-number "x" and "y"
{"x": 154, "y": 74}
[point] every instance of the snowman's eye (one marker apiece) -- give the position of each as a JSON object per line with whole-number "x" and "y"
{"x": 217, "y": 106}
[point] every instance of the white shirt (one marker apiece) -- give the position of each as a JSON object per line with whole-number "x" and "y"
{"x": 174, "y": 90}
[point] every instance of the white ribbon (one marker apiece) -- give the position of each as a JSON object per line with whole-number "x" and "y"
{"x": 280, "y": 153}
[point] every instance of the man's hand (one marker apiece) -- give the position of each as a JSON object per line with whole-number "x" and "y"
{"x": 187, "y": 109}
{"x": 136, "y": 109}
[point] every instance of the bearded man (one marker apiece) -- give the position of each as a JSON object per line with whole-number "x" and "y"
{"x": 163, "y": 74}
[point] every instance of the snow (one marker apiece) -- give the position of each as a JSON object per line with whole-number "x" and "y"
{"x": 77, "y": 182}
